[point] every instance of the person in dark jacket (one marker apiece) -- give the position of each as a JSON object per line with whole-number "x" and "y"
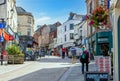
{"x": 63, "y": 52}
{"x": 85, "y": 59}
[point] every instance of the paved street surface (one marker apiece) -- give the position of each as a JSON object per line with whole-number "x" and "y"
{"x": 45, "y": 69}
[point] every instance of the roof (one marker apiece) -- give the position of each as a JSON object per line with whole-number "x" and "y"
{"x": 22, "y": 11}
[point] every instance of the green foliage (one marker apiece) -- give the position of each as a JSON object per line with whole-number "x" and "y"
{"x": 14, "y": 50}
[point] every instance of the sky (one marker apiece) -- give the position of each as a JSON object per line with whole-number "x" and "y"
{"x": 51, "y": 11}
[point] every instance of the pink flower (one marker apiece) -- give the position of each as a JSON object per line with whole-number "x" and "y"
{"x": 87, "y": 17}
{"x": 91, "y": 22}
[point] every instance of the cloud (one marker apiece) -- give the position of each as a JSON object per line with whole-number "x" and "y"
{"x": 42, "y": 20}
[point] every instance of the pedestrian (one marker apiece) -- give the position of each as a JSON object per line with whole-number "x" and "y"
{"x": 63, "y": 52}
{"x": 85, "y": 59}
{"x": 73, "y": 52}
{"x": 67, "y": 52}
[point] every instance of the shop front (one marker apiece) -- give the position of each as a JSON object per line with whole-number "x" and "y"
{"x": 104, "y": 43}
{"x": 100, "y": 43}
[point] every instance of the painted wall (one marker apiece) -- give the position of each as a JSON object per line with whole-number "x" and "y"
{"x": 116, "y": 15}
{"x": 59, "y": 35}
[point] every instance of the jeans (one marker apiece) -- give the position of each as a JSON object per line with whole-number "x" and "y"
{"x": 63, "y": 55}
{"x": 83, "y": 67}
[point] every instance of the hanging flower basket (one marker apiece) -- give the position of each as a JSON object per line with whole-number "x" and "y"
{"x": 99, "y": 17}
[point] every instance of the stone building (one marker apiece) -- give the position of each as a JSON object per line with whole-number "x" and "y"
{"x": 25, "y": 22}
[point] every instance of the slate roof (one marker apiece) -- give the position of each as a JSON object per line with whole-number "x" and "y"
{"x": 22, "y": 11}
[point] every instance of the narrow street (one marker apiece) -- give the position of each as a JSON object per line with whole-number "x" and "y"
{"x": 45, "y": 69}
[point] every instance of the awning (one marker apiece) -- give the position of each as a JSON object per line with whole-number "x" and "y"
{"x": 6, "y": 36}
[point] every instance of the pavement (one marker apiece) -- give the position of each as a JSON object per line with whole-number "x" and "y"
{"x": 73, "y": 73}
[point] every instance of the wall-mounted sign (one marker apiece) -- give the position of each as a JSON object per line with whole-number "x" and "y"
{"x": 1, "y": 39}
{"x": 2, "y": 24}
{"x": 102, "y": 39}
{"x": 97, "y": 76}
{"x": 2, "y": 2}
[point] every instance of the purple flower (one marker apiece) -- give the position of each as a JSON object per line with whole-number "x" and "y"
{"x": 87, "y": 17}
{"x": 91, "y": 22}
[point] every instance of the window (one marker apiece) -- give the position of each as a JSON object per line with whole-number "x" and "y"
{"x": 29, "y": 20}
{"x": 71, "y": 27}
{"x": 101, "y": 2}
{"x": 80, "y": 32}
{"x": 65, "y": 37}
{"x": 71, "y": 36}
{"x": 91, "y": 7}
{"x": 28, "y": 32}
{"x": 65, "y": 28}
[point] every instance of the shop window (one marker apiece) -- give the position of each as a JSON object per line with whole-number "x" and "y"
{"x": 104, "y": 49}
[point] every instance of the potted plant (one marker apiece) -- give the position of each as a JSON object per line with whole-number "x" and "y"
{"x": 15, "y": 55}
{"x": 99, "y": 17}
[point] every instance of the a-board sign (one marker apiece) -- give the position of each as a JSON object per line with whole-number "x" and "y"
{"x": 97, "y": 76}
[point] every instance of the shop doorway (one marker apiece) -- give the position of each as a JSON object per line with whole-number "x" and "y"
{"x": 104, "y": 49}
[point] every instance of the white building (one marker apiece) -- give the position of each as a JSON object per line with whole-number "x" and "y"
{"x": 65, "y": 36}
{"x": 80, "y": 32}
{"x": 9, "y": 15}
{"x": 59, "y": 36}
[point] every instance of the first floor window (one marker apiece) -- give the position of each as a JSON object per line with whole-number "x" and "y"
{"x": 29, "y": 32}
{"x": 65, "y": 37}
{"x": 71, "y": 36}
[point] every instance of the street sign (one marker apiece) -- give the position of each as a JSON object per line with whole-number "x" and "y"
{"x": 2, "y": 24}
{"x": 2, "y": 2}
{"x": 97, "y": 76}
{"x": 1, "y": 39}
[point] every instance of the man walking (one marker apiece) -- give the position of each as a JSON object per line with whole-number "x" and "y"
{"x": 73, "y": 52}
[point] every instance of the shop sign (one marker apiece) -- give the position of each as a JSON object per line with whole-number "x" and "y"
{"x": 102, "y": 39}
{"x": 97, "y": 76}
